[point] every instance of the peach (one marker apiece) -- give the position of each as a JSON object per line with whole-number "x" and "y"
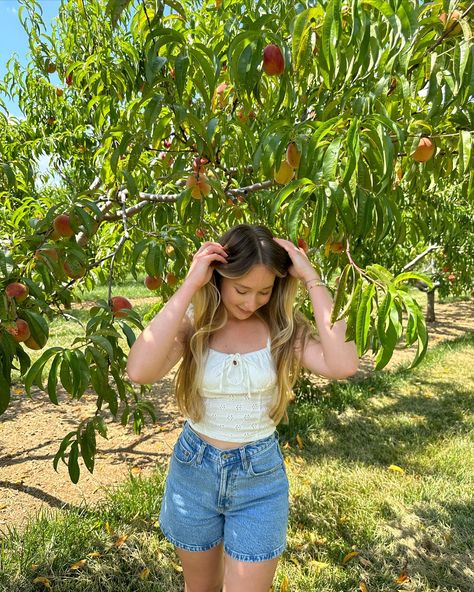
{"x": 293, "y": 155}
{"x": 153, "y": 283}
{"x": 20, "y": 330}
{"x": 118, "y": 304}
{"x": 284, "y": 173}
{"x": 424, "y": 151}
{"x": 447, "y": 22}
{"x": 273, "y": 60}
{"x": 32, "y": 344}
{"x": 171, "y": 279}
{"x": 62, "y": 225}
{"x": 302, "y": 244}
{"x": 49, "y": 253}
{"x": 74, "y": 269}
{"x": 198, "y": 185}
{"x": 17, "y": 291}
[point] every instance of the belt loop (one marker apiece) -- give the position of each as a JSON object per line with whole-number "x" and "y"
{"x": 200, "y": 454}
{"x": 243, "y": 457}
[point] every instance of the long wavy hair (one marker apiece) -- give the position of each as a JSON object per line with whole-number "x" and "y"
{"x": 247, "y": 245}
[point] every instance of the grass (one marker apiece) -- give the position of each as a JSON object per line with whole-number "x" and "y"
{"x": 380, "y": 467}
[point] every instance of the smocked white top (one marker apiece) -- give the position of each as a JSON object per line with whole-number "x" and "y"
{"x": 237, "y": 392}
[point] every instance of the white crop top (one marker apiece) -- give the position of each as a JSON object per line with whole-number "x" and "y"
{"x": 237, "y": 392}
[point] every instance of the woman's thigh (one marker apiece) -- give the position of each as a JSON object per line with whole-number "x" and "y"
{"x": 248, "y": 576}
{"x": 203, "y": 570}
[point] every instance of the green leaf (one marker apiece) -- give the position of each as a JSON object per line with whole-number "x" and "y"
{"x": 115, "y": 9}
{"x": 104, "y": 344}
{"x": 363, "y": 318}
{"x": 87, "y": 443}
{"x": 73, "y": 464}
{"x": 331, "y": 159}
{"x": 340, "y": 293}
{"x": 53, "y": 380}
{"x": 39, "y": 328}
{"x": 34, "y": 374}
{"x": 129, "y": 334}
{"x": 62, "y": 449}
{"x": 412, "y": 275}
{"x": 5, "y": 394}
{"x": 388, "y": 345}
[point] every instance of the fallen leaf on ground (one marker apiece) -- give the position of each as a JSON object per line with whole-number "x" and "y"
{"x": 403, "y": 577}
{"x": 79, "y": 564}
{"x": 120, "y": 541}
{"x": 396, "y": 469}
{"x": 350, "y": 556}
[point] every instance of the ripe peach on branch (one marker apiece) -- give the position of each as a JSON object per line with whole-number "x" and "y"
{"x": 120, "y": 305}
{"x": 19, "y": 330}
{"x": 74, "y": 269}
{"x": 284, "y": 173}
{"x": 17, "y": 290}
{"x": 62, "y": 225}
{"x": 198, "y": 185}
{"x": 152, "y": 282}
{"x": 425, "y": 150}
{"x": 293, "y": 155}
{"x": 273, "y": 60}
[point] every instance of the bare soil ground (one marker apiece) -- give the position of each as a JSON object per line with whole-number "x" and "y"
{"x": 32, "y": 428}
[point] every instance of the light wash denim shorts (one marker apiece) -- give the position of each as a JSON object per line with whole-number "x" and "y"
{"x": 237, "y": 495}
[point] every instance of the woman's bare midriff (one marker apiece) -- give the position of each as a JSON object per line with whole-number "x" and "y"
{"x": 221, "y": 443}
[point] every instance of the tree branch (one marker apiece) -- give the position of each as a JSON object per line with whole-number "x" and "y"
{"x": 420, "y": 256}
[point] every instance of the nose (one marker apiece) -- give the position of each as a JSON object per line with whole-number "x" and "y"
{"x": 250, "y": 305}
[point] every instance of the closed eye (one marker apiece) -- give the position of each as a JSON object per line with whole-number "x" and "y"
{"x": 263, "y": 293}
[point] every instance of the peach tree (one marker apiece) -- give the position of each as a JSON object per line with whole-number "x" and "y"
{"x": 344, "y": 126}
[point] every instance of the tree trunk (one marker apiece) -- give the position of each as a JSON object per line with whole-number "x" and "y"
{"x": 430, "y": 307}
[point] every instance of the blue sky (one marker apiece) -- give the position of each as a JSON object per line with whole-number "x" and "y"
{"x": 15, "y": 40}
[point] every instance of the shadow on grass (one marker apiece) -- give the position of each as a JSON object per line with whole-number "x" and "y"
{"x": 448, "y": 558}
{"x": 431, "y": 540}
{"x": 117, "y": 541}
{"x": 438, "y": 407}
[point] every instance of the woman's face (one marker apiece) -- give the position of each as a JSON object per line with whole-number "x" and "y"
{"x": 243, "y": 296}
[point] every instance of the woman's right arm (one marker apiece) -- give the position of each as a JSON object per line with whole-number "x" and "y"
{"x": 160, "y": 345}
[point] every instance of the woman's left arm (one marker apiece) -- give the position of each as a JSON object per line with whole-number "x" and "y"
{"x": 333, "y": 357}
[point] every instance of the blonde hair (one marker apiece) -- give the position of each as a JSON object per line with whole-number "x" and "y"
{"x": 247, "y": 245}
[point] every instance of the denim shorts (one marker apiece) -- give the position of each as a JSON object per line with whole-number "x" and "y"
{"x": 238, "y": 496}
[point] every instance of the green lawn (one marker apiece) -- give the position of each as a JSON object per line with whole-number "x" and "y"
{"x": 380, "y": 468}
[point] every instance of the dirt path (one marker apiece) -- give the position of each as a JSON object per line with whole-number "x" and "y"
{"x": 32, "y": 429}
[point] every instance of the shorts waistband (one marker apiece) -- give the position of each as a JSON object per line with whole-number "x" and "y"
{"x": 230, "y": 455}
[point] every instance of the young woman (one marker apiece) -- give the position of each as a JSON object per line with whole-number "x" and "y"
{"x": 242, "y": 342}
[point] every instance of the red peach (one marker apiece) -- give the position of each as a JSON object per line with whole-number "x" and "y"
{"x": 17, "y": 291}
{"x": 62, "y": 225}
{"x": 273, "y": 60}
{"x": 118, "y": 303}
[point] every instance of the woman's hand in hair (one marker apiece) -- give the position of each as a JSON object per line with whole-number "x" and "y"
{"x": 200, "y": 271}
{"x": 301, "y": 267}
